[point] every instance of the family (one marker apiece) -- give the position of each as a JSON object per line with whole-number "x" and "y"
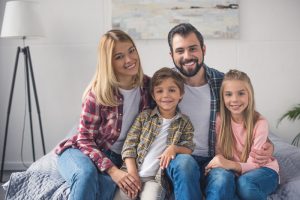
{"x": 186, "y": 133}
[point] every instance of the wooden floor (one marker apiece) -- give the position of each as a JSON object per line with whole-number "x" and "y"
{"x": 6, "y": 176}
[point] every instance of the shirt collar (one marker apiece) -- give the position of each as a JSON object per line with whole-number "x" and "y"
{"x": 155, "y": 112}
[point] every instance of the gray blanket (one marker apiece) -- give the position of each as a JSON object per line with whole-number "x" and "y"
{"x": 42, "y": 180}
{"x": 36, "y": 185}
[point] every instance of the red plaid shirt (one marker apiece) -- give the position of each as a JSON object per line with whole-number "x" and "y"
{"x": 100, "y": 127}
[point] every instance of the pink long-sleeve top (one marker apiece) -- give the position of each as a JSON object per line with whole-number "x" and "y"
{"x": 260, "y": 134}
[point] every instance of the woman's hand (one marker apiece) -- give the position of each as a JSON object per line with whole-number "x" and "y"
{"x": 167, "y": 156}
{"x": 125, "y": 181}
{"x": 138, "y": 184}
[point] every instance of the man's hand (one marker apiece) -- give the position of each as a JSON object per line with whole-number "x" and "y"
{"x": 262, "y": 156}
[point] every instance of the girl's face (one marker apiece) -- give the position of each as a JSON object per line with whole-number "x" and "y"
{"x": 236, "y": 98}
{"x": 167, "y": 95}
{"x": 125, "y": 60}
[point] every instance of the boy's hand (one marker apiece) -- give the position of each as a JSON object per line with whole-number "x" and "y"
{"x": 167, "y": 156}
{"x": 138, "y": 184}
{"x": 126, "y": 182}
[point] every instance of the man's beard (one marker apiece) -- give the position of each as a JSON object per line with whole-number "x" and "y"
{"x": 189, "y": 73}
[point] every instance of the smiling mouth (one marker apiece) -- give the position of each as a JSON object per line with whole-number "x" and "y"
{"x": 189, "y": 64}
{"x": 130, "y": 66}
{"x": 235, "y": 106}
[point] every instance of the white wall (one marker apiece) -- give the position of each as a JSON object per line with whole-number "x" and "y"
{"x": 64, "y": 62}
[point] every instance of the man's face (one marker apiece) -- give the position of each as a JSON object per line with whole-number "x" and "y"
{"x": 188, "y": 56}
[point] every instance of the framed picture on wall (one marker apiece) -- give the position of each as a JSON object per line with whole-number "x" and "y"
{"x": 152, "y": 19}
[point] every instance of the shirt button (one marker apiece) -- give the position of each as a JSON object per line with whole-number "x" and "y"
{"x": 119, "y": 130}
{"x": 120, "y": 114}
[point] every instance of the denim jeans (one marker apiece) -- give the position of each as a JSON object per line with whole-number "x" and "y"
{"x": 185, "y": 172}
{"x": 86, "y": 182}
{"x": 256, "y": 184}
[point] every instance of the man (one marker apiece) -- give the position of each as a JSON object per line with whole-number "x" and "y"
{"x": 200, "y": 103}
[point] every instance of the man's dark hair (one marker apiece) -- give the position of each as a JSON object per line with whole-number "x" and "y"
{"x": 183, "y": 30}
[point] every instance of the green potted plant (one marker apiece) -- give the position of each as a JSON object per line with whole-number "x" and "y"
{"x": 292, "y": 115}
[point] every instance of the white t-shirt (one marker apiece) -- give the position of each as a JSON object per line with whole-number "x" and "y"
{"x": 130, "y": 111}
{"x": 196, "y": 105}
{"x": 150, "y": 164}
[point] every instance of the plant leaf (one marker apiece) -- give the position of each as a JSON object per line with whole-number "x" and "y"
{"x": 292, "y": 114}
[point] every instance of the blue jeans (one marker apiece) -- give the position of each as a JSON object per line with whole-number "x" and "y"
{"x": 256, "y": 184}
{"x": 185, "y": 172}
{"x": 85, "y": 181}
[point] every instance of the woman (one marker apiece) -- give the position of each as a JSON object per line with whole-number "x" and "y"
{"x": 90, "y": 160}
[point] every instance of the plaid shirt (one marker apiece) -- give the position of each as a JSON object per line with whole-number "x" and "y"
{"x": 214, "y": 79}
{"x": 147, "y": 126}
{"x": 100, "y": 127}
{"x": 143, "y": 132}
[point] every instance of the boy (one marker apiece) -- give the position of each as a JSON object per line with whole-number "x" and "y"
{"x": 156, "y": 137}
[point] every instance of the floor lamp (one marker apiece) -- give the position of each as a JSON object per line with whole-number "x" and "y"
{"x": 21, "y": 21}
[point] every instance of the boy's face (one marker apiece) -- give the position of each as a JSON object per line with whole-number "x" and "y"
{"x": 167, "y": 95}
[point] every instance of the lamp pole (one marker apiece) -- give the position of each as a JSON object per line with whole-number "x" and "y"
{"x": 29, "y": 76}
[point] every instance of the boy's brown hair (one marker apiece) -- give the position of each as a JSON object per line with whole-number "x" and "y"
{"x": 164, "y": 73}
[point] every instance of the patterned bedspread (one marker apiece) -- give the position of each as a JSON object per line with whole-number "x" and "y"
{"x": 42, "y": 181}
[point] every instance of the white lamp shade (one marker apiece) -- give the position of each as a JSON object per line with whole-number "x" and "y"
{"x": 21, "y": 19}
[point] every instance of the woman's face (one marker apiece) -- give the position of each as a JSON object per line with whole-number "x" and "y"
{"x": 125, "y": 60}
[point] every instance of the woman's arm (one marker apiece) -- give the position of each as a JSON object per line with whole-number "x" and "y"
{"x": 89, "y": 132}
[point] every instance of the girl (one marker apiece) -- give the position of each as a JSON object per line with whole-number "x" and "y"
{"x": 90, "y": 160}
{"x": 232, "y": 174}
{"x": 157, "y": 136}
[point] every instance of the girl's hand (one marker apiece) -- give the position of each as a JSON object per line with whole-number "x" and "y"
{"x": 221, "y": 162}
{"x": 217, "y": 161}
{"x": 167, "y": 156}
{"x": 125, "y": 181}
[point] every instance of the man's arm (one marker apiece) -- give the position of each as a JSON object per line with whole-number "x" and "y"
{"x": 263, "y": 155}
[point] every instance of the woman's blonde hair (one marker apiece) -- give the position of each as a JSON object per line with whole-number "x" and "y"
{"x": 104, "y": 83}
{"x": 226, "y": 140}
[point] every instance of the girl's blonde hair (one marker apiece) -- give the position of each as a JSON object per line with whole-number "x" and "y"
{"x": 104, "y": 83}
{"x": 226, "y": 140}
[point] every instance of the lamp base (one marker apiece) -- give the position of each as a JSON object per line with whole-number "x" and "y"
{"x": 29, "y": 75}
